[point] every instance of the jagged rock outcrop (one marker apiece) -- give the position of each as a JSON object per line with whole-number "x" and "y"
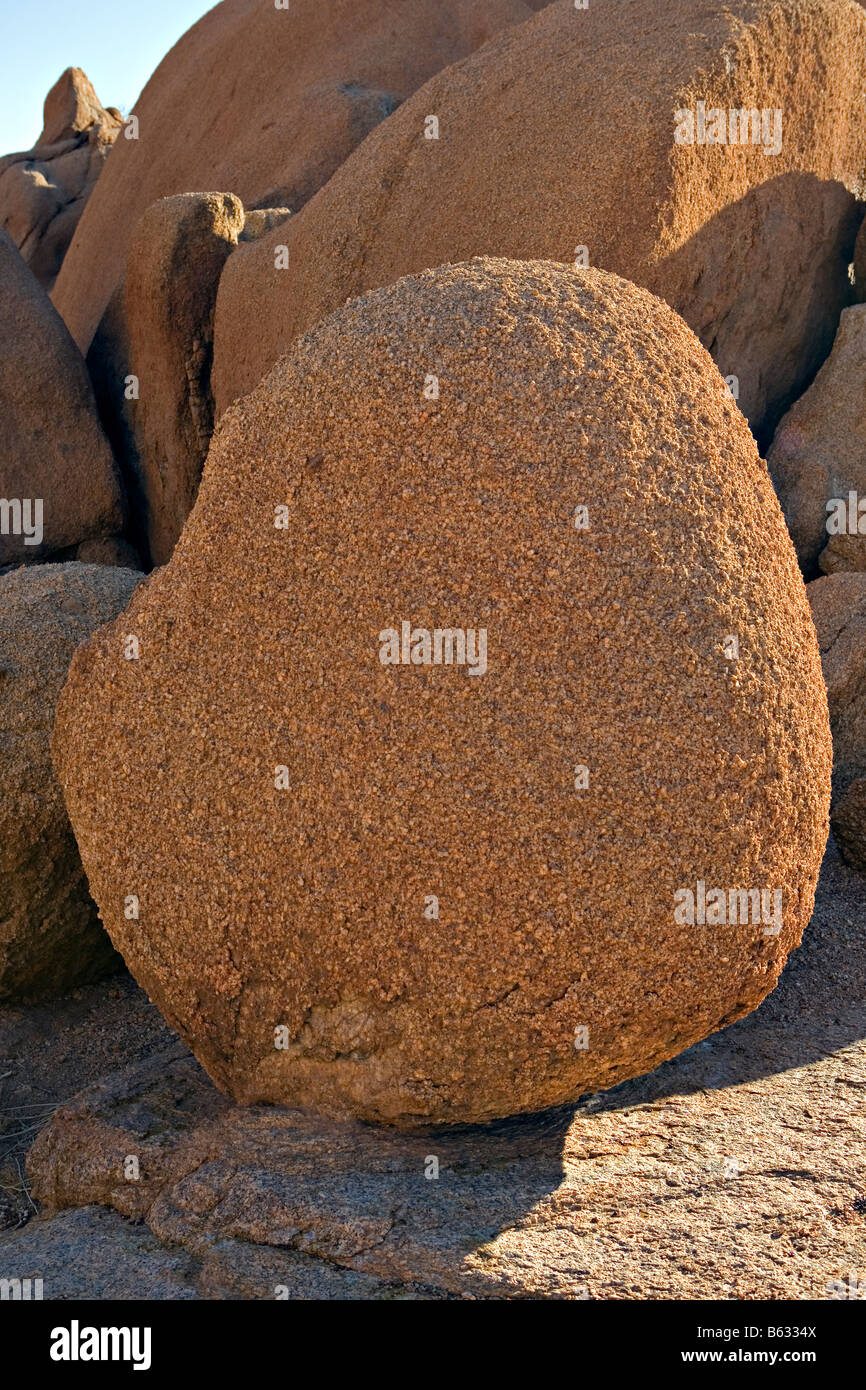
{"x": 44, "y": 191}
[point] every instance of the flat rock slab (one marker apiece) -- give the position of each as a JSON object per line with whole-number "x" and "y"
{"x": 93, "y": 1253}
{"x": 738, "y": 1170}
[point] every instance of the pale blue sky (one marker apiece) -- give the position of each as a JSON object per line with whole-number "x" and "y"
{"x": 118, "y": 43}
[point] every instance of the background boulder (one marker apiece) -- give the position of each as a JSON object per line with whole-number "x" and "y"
{"x": 44, "y": 191}
{"x": 52, "y": 447}
{"x": 558, "y": 141}
{"x": 50, "y": 935}
{"x": 839, "y": 610}
{"x": 265, "y": 102}
{"x": 818, "y": 456}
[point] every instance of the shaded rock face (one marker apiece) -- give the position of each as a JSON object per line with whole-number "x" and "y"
{"x": 838, "y": 604}
{"x": 267, "y": 103}
{"x": 150, "y": 361}
{"x": 159, "y": 331}
{"x": 818, "y": 458}
{"x": 57, "y": 472}
{"x": 50, "y": 936}
{"x": 401, "y": 881}
{"x": 44, "y": 191}
{"x": 860, "y": 263}
{"x": 749, "y": 242}
{"x": 581, "y": 1202}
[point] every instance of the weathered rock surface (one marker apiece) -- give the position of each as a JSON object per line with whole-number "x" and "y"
{"x": 259, "y": 221}
{"x": 818, "y": 458}
{"x": 860, "y": 263}
{"x": 266, "y": 103}
{"x": 150, "y": 360}
{"x": 560, "y": 134}
{"x": 839, "y": 610}
{"x": 302, "y": 807}
{"x": 113, "y": 550}
{"x": 50, "y": 936}
{"x": 44, "y": 191}
{"x": 737, "y": 1171}
{"x": 52, "y": 448}
{"x": 175, "y": 260}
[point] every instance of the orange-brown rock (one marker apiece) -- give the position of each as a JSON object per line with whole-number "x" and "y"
{"x": 175, "y": 260}
{"x": 50, "y": 935}
{"x": 447, "y": 878}
{"x": 565, "y": 138}
{"x": 59, "y": 485}
{"x": 150, "y": 360}
{"x": 839, "y": 609}
{"x": 265, "y": 102}
{"x": 818, "y": 458}
{"x": 44, "y": 191}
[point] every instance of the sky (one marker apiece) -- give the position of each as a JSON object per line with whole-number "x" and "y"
{"x": 118, "y": 43}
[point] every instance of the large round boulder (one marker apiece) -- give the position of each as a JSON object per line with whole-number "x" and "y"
{"x": 266, "y": 101}
{"x": 476, "y": 751}
{"x": 711, "y": 153}
{"x": 50, "y": 935}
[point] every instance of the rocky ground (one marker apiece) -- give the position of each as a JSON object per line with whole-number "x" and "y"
{"x": 736, "y": 1171}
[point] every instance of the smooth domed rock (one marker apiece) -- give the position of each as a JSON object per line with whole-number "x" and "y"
{"x": 57, "y": 472}
{"x": 403, "y": 891}
{"x": 265, "y": 102}
{"x": 559, "y": 140}
{"x": 50, "y": 935}
{"x": 838, "y": 604}
{"x": 44, "y": 191}
{"x": 818, "y": 458}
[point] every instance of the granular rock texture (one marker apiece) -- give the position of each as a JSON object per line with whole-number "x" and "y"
{"x": 839, "y": 610}
{"x": 265, "y": 102}
{"x": 718, "y": 1176}
{"x": 391, "y": 890}
{"x": 52, "y": 449}
{"x": 43, "y": 191}
{"x": 558, "y": 140}
{"x": 818, "y": 458}
{"x": 50, "y": 936}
